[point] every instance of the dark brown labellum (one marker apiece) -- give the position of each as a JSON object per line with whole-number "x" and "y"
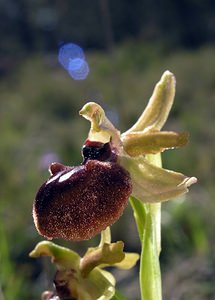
{"x": 76, "y": 203}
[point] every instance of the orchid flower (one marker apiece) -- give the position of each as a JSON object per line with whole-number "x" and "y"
{"x": 150, "y": 183}
{"x": 84, "y": 278}
{"x": 76, "y": 203}
{"x": 138, "y": 151}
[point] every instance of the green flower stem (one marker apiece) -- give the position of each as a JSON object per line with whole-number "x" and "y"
{"x": 148, "y": 220}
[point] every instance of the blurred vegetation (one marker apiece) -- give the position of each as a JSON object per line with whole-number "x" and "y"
{"x": 128, "y": 48}
{"x": 42, "y": 25}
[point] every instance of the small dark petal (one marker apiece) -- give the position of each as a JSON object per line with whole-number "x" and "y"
{"x": 56, "y": 167}
{"x": 98, "y": 151}
{"x": 80, "y": 202}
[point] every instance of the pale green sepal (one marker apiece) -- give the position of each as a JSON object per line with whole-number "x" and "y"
{"x": 153, "y": 184}
{"x": 108, "y": 254}
{"x": 102, "y": 129}
{"x": 139, "y": 143}
{"x": 63, "y": 258}
{"x": 100, "y": 285}
{"x": 128, "y": 262}
{"x": 160, "y": 103}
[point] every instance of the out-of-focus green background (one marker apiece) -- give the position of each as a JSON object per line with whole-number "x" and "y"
{"x": 128, "y": 45}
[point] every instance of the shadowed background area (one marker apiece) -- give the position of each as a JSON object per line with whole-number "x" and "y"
{"x": 127, "y": 45}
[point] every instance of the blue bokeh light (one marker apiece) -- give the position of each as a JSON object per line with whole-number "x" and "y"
{"x": 78, "y": 68}
{"x": 72, "y": 58}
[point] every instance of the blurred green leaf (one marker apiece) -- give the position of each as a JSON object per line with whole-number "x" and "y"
{"x": 118, "y": 296}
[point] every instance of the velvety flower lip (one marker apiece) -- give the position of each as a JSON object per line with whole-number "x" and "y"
{"x": 77, "y": 203}
{"x": 144, "y": 138}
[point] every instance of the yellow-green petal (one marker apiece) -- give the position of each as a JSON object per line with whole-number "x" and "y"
{"x": 139, "y": 143}
{"x": 108, "y": 254}
{"x": 101, "y": 283}
{"x": 159, "y": 105}
{"x": 128, "y": 262}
